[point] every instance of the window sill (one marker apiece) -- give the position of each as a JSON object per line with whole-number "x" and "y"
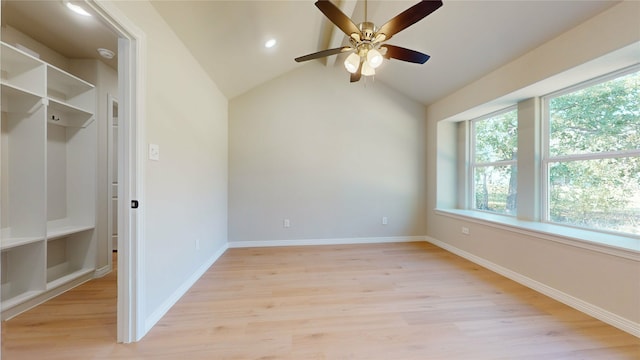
{"x": 622, "y": 246}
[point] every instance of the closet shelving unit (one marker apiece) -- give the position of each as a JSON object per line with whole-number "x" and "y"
{"x": 48, "y": 181}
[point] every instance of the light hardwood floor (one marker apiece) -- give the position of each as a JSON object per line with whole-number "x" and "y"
{"x": 380, "y": 301}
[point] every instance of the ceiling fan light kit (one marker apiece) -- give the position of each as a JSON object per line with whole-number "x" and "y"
{"x": 367, "y": 69}
{"x": 367, "y": 42}
{"x": 352, "y": 63}
{"x": 374, "y": 58}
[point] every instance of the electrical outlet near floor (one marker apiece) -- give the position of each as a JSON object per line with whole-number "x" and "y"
{"x": 465, "y": 230}
{"x": 286, "y": 223}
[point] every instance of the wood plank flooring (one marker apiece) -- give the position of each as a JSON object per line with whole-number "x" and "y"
{"x": 379, "y": 301}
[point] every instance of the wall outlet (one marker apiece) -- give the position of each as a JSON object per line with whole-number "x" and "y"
{"x": 385, "y": 220}
{"x": 286, "y": 223}
{"x": 465, "y": 230}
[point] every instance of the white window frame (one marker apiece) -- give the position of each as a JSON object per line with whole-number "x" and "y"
{"x": 472, "y": 159}
{"x": 547, "y": 159}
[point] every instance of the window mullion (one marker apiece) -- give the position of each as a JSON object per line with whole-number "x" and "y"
{"x": 497, "y": 163}
{"x": 529, "y": 159}
{"x": 596, "y": 156}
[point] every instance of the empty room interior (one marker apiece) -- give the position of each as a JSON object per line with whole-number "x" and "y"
{"x": 309, "y": 179}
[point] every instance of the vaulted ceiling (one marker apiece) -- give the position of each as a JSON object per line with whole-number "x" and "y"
{"x": 466, "y": 39}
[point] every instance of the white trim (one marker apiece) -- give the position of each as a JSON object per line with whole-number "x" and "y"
{"x": 131, "y": 93}
{"x": 331, "y": 241}
{"x": 137, "y": 177}
{"x": 497, "y": 163}
{"x": 102, "y": 271}
{"x": 111, "y": 100}
{"x": 180, "y": 291}
{"x": 597, "y": 312}
{"x": 611, "y": 75}
{"x": 593, "y": 156}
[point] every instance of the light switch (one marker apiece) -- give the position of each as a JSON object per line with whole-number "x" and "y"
{"x": 154, "y": 152}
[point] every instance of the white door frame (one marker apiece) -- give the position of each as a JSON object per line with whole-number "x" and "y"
{"x": 131, "y": 57}
{"x": 112, "y": 143}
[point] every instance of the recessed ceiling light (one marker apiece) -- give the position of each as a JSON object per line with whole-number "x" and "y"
{"x": 106, "y": 53}
{"x": 77, "y": 9}
{"x": 270, "y": 43}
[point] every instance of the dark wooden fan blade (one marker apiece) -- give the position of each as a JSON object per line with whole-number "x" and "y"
{"x": 400, "y": 53}
{"x": 337, "y": 17}
{"x": 409, "y": 17}
{"x": 355, "y": 77}
{"x": 322, "y": 53}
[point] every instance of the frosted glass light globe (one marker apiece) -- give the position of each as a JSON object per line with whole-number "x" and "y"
{"x": 352, "y": 63}
{"x": 374, "y": 58}
{"x": 367, "y": 70}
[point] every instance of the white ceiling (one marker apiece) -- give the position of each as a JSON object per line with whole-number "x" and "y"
{"x": 51, "y": 23}
{"x": 466, "y": 39}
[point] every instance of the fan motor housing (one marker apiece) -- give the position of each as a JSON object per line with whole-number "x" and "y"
{"x": 368, "y": 30}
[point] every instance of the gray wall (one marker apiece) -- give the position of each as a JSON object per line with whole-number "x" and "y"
{"x": 331, "y": 156}
{"x": 185, "y": 193}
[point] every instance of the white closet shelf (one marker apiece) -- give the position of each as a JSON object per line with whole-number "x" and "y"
{"x": 65, "y": 87}
{"x": 11, "y": 242}
{"x": 15, "y": 99}
{"x": 41, "y": 165}
{"x": 63, "y": 114}
{"x": 22, "y": 70}
{"x": 57, "y": 229}
{"x": 15, "y": 60}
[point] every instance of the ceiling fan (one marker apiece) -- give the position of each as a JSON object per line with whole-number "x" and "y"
{"x": 367, "y": 41}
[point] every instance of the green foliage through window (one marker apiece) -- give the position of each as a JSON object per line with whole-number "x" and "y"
{"x": 601, "y": 118}
{"x": 495, "y": 188}
{"x": 594, "y": 156}
{"x": 494, "y": 167}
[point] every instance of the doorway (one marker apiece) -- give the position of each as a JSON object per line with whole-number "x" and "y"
{"x": 120, "y": 221}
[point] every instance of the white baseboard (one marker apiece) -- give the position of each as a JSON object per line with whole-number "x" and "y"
{"x": 102, "y": 271}
{"x": 173, "y": 299}
{"x": 332, "y": 241}
{"x": 599, "y": 313}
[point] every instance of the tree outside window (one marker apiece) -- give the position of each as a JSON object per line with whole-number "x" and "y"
{"x": 593, "y": 155}
{"x": 494, "y": 162}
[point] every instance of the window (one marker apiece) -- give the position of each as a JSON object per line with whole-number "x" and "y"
{"x": 581, "y": 170}
{"x": 493, "y": 162}
{"x": 591, "y": 157}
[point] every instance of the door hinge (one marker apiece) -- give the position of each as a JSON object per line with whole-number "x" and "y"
{"x": 134, "y": 204}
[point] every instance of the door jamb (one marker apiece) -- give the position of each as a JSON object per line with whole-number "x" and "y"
{"x": 131, "y": 95}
